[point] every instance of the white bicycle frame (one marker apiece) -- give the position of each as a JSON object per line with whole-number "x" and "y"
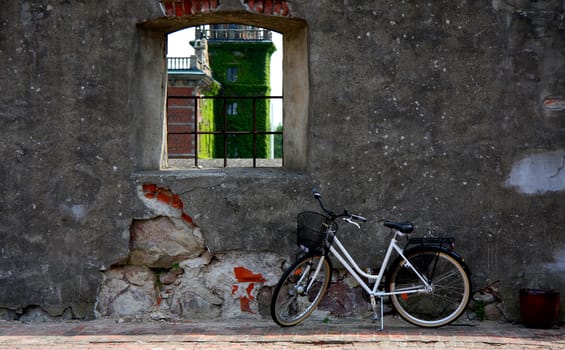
{"x": 341, "y": 253}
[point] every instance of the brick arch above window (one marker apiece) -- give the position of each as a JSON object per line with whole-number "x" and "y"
{"x": 179, "y": 8}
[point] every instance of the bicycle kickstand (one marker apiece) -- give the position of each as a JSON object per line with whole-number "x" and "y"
{"x": 380, "y": 314}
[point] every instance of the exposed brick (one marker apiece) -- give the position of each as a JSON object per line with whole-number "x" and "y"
{"x": 259, "y": 6}
{"x": 188, "y": 219}
{"x": 245, "y": 275}
{"x": 196, "y": 7}
{"x": 249, "y": 289}
{"x": 149, "y": 188}
{"x": 179, "y": 12}
{"x": 285, "y": 9}
{"x": 205, "y": 6}
{"x": 187, "y": 6}
{"x": 271, "y": 7}
{"x": 163, "y": 197}
{"x": 180, "y": 8}
{"x": 245, "y": 306}
{"x": 150, "y": 195}
{"x": 268, "y": 6}
{"x": 169, "y": 8}
{"x": 177, "y": 202}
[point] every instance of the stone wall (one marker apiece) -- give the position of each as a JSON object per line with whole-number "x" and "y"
{"x": 447, "y": 113}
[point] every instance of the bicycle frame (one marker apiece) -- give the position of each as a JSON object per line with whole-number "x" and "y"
{"x": 341, "y": 253}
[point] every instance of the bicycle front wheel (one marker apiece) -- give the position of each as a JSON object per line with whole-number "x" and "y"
{"x": 444, "y": 302}
{"x": 300, "y": 290}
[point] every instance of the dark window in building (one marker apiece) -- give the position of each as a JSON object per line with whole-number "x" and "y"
{"x": 232, "y": 108}
{"x": 232, "y": 74}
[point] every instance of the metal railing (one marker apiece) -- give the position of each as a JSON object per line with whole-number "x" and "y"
{"x": 235, "y": 34}
{"x": 181, "y": 63}
{"x": 225, "y": 132}
{"x": 187, "y": 63}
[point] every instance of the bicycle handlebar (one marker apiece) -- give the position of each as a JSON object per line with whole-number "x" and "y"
{"x": 333, "y": 215}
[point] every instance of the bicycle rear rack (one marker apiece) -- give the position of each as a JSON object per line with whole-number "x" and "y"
{"x": 443, "y": 242}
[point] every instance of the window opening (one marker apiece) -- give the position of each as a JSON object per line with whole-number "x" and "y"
{"x": 230, "y": 116}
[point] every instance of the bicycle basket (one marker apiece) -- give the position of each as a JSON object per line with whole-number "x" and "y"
{"x": 312, "y": 230}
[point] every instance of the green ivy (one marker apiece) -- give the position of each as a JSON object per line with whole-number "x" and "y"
{"x": 252, "y": 61}
{"x": 278, "y": 143}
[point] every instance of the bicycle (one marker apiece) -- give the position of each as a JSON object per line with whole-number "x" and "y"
{"x": 428, "y": 283}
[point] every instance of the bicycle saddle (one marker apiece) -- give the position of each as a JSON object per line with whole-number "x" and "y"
{"x": 404, "y": 227}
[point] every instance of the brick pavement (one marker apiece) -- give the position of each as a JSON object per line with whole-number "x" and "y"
{"x": 346, "y": 333}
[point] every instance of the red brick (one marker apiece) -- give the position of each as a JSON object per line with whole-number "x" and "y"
{"x": 258, "y": 6}
{"x": 245, "y": 275}
{"x": 163, "y": 197}
{"x": 177, "y": 202}
{"x": 249, "y": 289}
{"x": 175, "y": 121}
{"x": 180, "y": 102}
{"x": 268, "y": 6}
{"x": 150, "y": 195}
{"x": 179, "y": 128}
{"x": 169, "y": 8}
{"x": 187, "y": 6}
{"x": 180, "y": 91}
{"x": 188, "y": 219}
{"x": 181, "y": 147}
{"x": 149, "y": 188}
{"x": 180, "y": 125}
{"x": 205, "y": 6}
{"x": 179, "y": 12}
{"x": 245, "y": 307}
{"x": 196, "y": 7}
{"x": 285, "y": 9}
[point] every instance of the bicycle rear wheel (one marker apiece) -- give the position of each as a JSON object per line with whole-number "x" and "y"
{"x": 300, "y": 290}
{"x": 448, "y": 298}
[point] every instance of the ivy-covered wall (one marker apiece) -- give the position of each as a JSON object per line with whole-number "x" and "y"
{"x": 205, "y": 141}
{"x": 249, "y": 64}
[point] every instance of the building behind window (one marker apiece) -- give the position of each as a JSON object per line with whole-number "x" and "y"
{"x": 232, "y": 63}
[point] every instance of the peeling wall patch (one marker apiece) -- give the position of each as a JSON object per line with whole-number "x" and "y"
{"x": 558, "y": 265}
{"x": 539, "y": 173}
{"x": 554, "y": 104}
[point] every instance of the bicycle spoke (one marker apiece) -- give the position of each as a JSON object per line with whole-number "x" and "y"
{"x": 449, "y": 295}
{"x": 292, "y": 303}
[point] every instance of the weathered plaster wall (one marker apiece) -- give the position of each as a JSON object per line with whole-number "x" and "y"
{"x": 67, "y": 148}
{"x": 447, "y": 113}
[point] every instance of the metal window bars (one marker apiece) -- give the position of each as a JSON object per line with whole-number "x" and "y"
{"x": 225, "y": 131}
